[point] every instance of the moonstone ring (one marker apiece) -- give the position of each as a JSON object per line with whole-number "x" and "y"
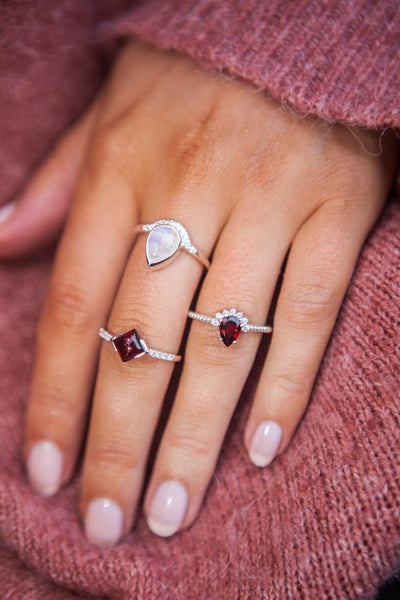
{"x": 164, "y": 240}
{"x": 129, "y": 345}
{"x": 230, "y": 323}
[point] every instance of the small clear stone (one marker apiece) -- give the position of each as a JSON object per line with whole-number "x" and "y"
{"x": 225, "y": 312}
{"x": 218, "y": 316}
{"x": 215, "y": 322}
{"x": 244, "y": 320}
{"x": 246, "y": 328}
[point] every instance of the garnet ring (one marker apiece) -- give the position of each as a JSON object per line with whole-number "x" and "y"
{"x": 164, "y": 240}
{"x": 129, "y": 345}
{"x": 231, "y": 324}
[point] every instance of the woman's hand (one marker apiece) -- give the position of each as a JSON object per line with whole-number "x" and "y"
{"x": 250, "y": 181}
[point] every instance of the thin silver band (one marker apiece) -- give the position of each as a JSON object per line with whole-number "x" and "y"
{"x": 183, "y": 244}
{"x": 215, "y": 321}
{"x": 109, "y": 337}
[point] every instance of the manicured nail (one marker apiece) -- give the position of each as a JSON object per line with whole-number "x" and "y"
{"x": 265, "y": 443}
{"x": 44, "y": 466}
{"x": 104, "y": 522}
{"x": 6, "y": 210}
{"x": 168, "y": 508}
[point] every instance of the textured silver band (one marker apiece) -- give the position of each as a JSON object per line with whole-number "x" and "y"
{"x": 216, "y": 321}
{"x": 109, "y": 337}
{"x": 175, "y": 235}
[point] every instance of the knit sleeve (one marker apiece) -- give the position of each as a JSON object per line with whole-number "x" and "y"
{"x": 337, "y": 59}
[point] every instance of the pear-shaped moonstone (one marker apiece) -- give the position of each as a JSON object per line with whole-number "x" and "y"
{"x": 162, "y": 243}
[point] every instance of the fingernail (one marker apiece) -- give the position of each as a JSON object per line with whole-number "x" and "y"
{"x": 104, "y": 522}
{"x": 44, "y": 466}
{"x": 168, "y": 508}
{"x": 6, "y": 210}
{"x": 265, "y": 444}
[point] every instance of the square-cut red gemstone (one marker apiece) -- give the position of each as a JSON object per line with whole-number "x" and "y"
{"x": 128, "y": 345}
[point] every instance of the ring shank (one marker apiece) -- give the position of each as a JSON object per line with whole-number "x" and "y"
{"x": 187, "y": 246}
{"x": 109, "y": 337}
{"x": 213, "y": 321}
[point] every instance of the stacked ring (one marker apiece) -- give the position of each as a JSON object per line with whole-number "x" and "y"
{"x": 231, "y": 323}
{"x": 130, "y": 345}
{"x": 164, "y": 240}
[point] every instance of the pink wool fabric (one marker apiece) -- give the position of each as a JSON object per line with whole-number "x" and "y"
{"x": 323, "y": 521}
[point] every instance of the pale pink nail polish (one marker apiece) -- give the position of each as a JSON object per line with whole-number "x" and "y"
{"x": 44, "y": 466}
{"x": 265, "y": 443}
{"x": 5, "y": 211}
{"x": 168, "y": 508}
{"x": 104, "y": 522}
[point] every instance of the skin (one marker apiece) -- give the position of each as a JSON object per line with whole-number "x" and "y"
{"x": 251, "y": 181}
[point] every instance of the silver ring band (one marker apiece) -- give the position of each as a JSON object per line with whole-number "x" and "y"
{"x": 129, "y": 345}
{"x": 164, "y": 240}
{"x": 231, "y": 323}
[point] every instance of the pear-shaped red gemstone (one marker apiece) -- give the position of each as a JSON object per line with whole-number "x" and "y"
{"x": 229, "y": 329}
{"x": 129, "y": 345}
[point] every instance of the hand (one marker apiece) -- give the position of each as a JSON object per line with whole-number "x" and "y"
{"x": 250, "y": 181}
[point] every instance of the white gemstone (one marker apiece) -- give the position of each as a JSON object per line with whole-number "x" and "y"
{"x": 225, "y": 312}
{"x": 161, "y": 244}
{"x": 219, "y": 316}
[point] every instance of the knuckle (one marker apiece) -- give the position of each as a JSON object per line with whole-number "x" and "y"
{"x": 66, "y": 309}
{"x": 107, "y": 142}
{"x": 107, "y": 153}
{"x": 192, "y": 151}
{"x": 287, "y": 384}
{"x": 56, "y": 404}
{"x": 210, "y": 352}
{"x": 150, "y": 323}
{"x": 309, "y": 303}
{"x": 190, "y": 441}
{"x": 113, "y": 455}
{"x": 255, "y": 171}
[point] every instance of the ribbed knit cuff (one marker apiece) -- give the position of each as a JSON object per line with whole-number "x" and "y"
{"x": 337, "y": 59}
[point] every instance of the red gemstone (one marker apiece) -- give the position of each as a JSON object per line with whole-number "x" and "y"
{"x": 128, "y": 345}
{"x": 229, "y": 329}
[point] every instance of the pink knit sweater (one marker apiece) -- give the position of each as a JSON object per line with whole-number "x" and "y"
{"x": 324, "y": 521}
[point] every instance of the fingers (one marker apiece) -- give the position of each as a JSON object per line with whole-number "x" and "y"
{"x": 36, "y": 217}
{"x": 88, "y": 267}
{"x": 240, "y": 277}
{"x": 129, "y": 395}
{"x": 319, "y": 268}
